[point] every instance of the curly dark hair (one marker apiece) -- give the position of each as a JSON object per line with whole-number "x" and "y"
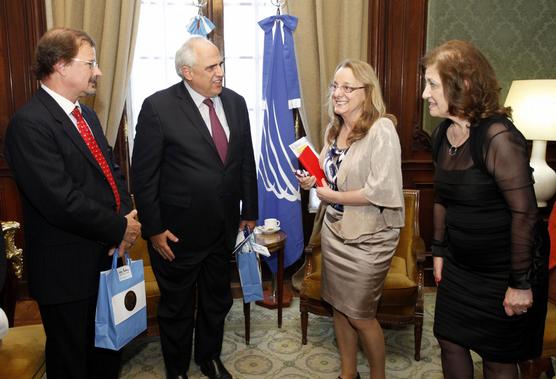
{"x": 470, "y": 85}
{"x": 58, "y": 44}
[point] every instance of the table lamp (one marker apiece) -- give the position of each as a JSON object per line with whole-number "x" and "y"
{"x": 533, "y": 105}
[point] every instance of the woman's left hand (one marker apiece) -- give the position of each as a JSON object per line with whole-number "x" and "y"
{"x": 327, "y": 194}
{"x": 517, "y": 302}
{"x": 437, "y": 263}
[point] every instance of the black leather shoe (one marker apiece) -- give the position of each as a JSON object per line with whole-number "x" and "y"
{"x": 182, "y": 376}
{"x": 214, "y": 369}
{"x": 357, "y": 377}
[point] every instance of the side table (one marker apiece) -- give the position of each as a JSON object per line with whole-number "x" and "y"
{"x": 275, "y": 243}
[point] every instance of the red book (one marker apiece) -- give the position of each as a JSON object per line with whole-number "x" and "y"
{"x": 308, "y": 158}
{"x": 311, "y": 163}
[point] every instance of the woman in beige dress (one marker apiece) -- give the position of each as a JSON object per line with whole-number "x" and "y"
{"x": 361, "y": 159}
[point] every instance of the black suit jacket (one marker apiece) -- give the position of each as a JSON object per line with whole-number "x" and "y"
{"x": 69, "y": 210}
{"x": 178, "y": 179}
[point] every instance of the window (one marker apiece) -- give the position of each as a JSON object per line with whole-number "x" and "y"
{"x": 163, "y": 29}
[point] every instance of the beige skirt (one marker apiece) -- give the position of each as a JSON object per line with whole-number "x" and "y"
{"x": 353, "y": 272}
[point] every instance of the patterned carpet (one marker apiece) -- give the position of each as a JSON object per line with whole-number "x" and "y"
{"x": 278, "y": 353}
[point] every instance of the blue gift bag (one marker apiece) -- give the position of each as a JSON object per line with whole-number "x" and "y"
{"x": 249, "y": 271}
{"x": 121, "y": 312}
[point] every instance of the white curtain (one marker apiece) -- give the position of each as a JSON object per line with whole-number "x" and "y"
{"x": 328, "y": 32}
{"x": 113, "y": 26}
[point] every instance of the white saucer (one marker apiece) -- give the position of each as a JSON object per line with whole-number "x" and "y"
{"x": 268, "y": 230}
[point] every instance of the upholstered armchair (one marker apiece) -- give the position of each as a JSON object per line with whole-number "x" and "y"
{"x": 533, "y": 369}
{"x": 402, "y": 297}
{"x": 22, "y": 349}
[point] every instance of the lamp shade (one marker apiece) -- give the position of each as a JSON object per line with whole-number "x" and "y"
{"x": 533, "y": 105}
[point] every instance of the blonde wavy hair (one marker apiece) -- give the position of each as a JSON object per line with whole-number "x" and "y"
{"x": 373, "y": 105}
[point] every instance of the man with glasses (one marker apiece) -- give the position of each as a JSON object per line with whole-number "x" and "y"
{"x": 75, "y": 205}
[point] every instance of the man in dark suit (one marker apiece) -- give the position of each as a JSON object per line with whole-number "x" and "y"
{"x": 75, "y": 205}
{"x": 192, "y": 166}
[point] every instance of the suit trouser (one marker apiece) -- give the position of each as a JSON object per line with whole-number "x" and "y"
{"x": 70, "y": 351}
{"x": 206, "y": 274}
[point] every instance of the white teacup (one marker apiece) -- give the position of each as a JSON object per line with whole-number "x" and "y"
{"x": 271, "y": 223}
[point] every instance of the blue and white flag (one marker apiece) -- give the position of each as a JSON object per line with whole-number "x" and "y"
{"x": 279, "y": 195}
{"x": 200, "y": 25}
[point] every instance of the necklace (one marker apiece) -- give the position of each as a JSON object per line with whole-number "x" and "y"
{"x": 453, "y": 149}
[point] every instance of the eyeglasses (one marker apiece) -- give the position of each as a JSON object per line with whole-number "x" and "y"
{"x": 92, "y": 64}
{"x": 345, "y": 89}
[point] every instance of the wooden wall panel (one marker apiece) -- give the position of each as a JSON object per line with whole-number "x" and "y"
{"x": 18, "y": 38}
{"x": 397, "y": 32}
{"x": 22, "y": 23}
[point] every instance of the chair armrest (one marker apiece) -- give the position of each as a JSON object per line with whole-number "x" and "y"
{"x": 309, "y": 249}
{"x": 418, "y": 246}
{"x": 13, "y": 254}
{"x": 552, "y": 285}
{"x": 310, "y": 254}
{"x": 14, "y": 269}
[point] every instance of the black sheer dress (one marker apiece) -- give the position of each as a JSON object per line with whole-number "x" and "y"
{"x": 485, "y": 211}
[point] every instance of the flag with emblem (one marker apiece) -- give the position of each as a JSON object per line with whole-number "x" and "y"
{"x": 279, "y": 195}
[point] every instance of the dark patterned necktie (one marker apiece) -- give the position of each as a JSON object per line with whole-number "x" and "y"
{"x": 97, "y": 154}
{"x": 218, "y": 134}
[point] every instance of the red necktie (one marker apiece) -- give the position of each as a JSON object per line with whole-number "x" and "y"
{"x": 218, "y": 134}
{"x": 95, "y": 150}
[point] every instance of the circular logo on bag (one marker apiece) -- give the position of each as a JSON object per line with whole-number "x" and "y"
{"x": 130, "y": 300}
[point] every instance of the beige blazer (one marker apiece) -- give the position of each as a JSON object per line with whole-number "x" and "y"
{"x": 373, "y": 164}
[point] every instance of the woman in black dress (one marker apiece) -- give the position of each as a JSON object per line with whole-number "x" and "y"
{"x": 485, "y": 214}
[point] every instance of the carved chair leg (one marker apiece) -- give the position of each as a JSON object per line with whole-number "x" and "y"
{"x": 526, "y": 370}
{"x": 550, "y": 372}
{"x": 304, "y": 324}
{"x": 418, "y": 333}
{"x": 533, "y": 368}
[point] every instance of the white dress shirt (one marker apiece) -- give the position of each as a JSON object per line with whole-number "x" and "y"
{"x": 66, "y": 105}
{"x": 204, "y": 109}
